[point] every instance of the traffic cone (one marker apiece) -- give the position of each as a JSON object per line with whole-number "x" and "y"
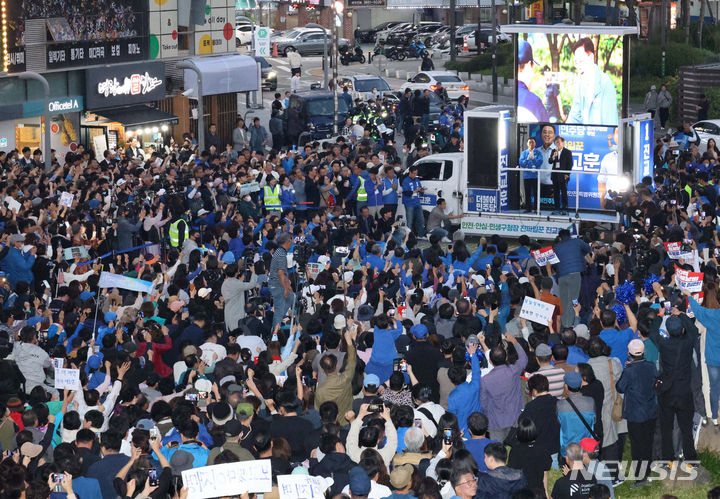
{"x": 275, "y": 52}
{"x": 465, "y": 45}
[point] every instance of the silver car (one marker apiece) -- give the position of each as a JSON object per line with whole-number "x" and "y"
{"x": 307, "y": 42}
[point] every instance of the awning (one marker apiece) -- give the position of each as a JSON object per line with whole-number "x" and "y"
{"x": 223, "y": 74}
{"x": 137, "y": 115}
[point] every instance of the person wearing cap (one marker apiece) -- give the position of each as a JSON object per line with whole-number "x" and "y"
{"x": 18, "y": 264}
{"x": 591, "y": 455}
{"x": 338, "y": 385}
{"x": 554, "y": 375}
{"x": 371, "y": 386}
{"x": 234, "y": 432}
{"x": 574, "y": 423}
{"x": 637, "y": 383}
{"x": 665, "y": 100}
{"x": 530, "y": 107}
{"x": 676, "y": 346}
{"x": 401, "y": 482}
{"x": 359, "y": 483}
{"x": 424, "y": 358}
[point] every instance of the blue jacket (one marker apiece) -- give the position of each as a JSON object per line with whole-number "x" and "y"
{"x": 576, "y": 355}
{"x": 465, "y": 398}
{"x": 618, "y": 342}
{"x": 383, "y": 352}
{"x": 571, "y": 253}
{"x": 596, "y": 104}
{"x": 203, "y": 436}
{"x": 374, "y": 192}
{"x": 199, "y": 453}
{"x": 572, "y": 428}
{"x": 500, "y": 483}
{"x": 18, "y": 266}
{"x": 526, "y": 162}
{"x": 710, "y": 318}
{"x": 392, "y": 197}
{"x": 637, "y": 382}
{"x": 409, "y": 185}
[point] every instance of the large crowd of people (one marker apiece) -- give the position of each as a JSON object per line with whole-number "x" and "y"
{"x": 240, "y": 304}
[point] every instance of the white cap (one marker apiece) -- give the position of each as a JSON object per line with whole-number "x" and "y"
{"x": 348, "y": 276}
{"x": 120, "y": 182}
{"x": 339, "y": 322}
{"x": 161, "y": 192}
{"x": 323, "y": 259}
{"x": 479, "y": 280}
{"x": 204, "y": 292}
{"x": 523, "y": 280}
{"x": 203, "y": 212}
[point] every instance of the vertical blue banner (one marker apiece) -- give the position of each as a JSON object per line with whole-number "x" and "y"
{"x": 503, "y": 152}
{"x": 645, "y": 149}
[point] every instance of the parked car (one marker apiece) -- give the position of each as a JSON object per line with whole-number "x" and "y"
{"x": 428, "y": 80}
{"x": 485, "y": 37}
{"x": 269, "y": 75}
{"x": 307, "y": 43}
{"x": 243, "y": 34}
{"x": 360, "y": 86}
{"x": 369, "y": 35}
{"x": 398, "y": 28}
{"x": 311, "y": 112}
{"x": 708, "y": 129}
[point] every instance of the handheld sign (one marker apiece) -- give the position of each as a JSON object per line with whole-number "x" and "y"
{"x": 545, "y": 255}
{"x": 228, "y": 479}
{"x": 67, "y": 378}
{"x": 303, "y": 486}
{"x": 537, "y": 311}
{"x": 692, "y": 281}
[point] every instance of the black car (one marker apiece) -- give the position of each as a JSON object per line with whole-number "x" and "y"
{"x": 269, "y": 76}
{"x": 310, "y": 114}
{"x": 369, "y": 35}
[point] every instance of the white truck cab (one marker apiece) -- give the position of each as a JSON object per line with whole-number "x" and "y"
{"x": 441, "y": 176}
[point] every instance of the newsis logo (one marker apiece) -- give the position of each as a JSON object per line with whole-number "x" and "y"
{"x": 636, "y": 470}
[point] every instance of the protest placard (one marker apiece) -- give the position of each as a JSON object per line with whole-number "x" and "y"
{"x": 110, "y": 280}
{"x": 537, "y": 311}
{"x": 545, "y": 255}
{"x": 67, "y": 378}
{"x": 75, "y": 252}
{"x": 228, "y": 479}
{"x": 58, "y": 362}
{"x": 692, "y": 281}
{"x": 66, "y": 199}
{"x": 674, "y": 250}
{"x": 303, "y": 486}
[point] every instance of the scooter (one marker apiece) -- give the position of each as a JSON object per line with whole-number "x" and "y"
{"x": 347, "y": 56}
{"x": 416, "y": 49}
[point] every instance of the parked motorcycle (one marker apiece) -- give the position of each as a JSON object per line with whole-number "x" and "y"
{"x": 392, "y": 52}
{"x": 355, "y": 55}
{"x": 416, "y": 49}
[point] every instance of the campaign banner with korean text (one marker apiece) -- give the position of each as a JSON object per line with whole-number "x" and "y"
{"x": 303, "y": 486}
{"x": 594, "y": 151}
{"x": 673, "y": 249}
{"x": 67, "y": 378}
{"x": 691, "y": 281}
{"x": 545, "y": 255}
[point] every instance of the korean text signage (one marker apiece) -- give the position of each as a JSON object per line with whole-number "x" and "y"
{"x": 68, "y": 55}
{"x": 123, "y": 85}
{"x": 366, "y": 3}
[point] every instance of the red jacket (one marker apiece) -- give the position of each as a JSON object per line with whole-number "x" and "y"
{"x": 158, "y": 349}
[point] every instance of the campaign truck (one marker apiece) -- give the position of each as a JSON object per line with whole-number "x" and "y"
{"x": 610, "y": 150}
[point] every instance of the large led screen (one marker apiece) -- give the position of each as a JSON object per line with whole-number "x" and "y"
{"x": 569, "y": 78}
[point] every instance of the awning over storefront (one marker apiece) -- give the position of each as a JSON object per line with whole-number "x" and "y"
{"x": 137, "y": 115}
{"x": 223, "y": 74}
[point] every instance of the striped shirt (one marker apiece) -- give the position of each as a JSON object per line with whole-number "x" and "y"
{"x": 555, "y": 377}
{"x": 278, "y": 262}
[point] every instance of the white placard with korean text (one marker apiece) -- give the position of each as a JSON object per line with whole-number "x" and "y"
{"x": 67, "y": 378}
{"x": 692, "y": 281}
{"x": 302, "y": 486}
{"x": 66, "y": 199}
{"x": 545, "y": 255}
{"x": 228, "y": 479}
{"x": 537, "y": 311}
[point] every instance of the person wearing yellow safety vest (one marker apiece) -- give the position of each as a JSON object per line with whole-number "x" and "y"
{"x": 358, "y": 196}
{"x": 271, "y": 196}
{"x": 178, "y": 231}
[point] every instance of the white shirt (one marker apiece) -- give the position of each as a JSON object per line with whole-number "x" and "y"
{"x": 294, "y": 59}
{"x": 377, "y": 491}
{"x": 546, "y": 167}
{"x": 436, "y": 410}
{"x": 295, "y": 84}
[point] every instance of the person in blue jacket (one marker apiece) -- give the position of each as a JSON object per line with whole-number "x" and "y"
{"x": 530, "y": 158}
{"x": 385, "y": 333}
{"x": 464, "y": 399}
{"x": 18, "y": 264}
{"x": 412, "y": 189}
{"x": 390, "y": 187}
{"x": 571, "y": 253}
{"x": 710, "y": 318}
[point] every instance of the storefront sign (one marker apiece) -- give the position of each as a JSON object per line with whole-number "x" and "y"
{"x": 71, "y": 104}
{"x": 365, "y": 3}
{"x": 67, "y": 55}
{"x": 124, "y": 85}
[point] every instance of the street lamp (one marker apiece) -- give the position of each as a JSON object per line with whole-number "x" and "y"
{"x": 252, "y": 31}
{"x": 201, "y": 118}
{"x": 32, "y": 75}
{"x": 325, "y": 52}
{"x": 338, "y": 7}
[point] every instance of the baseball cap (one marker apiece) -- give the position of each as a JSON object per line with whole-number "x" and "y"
{"x": 653, "y": 87}
{"x": 110, "y": 316}
{"x": 479, "y": 279}
{"x": 589, "y": 444}
{"x": 582, "y": 331}
{"x": 339, "y": 322}
{"x": 525, "y": 53}
{"x": 371, "y": 379}
{"x": 233, "y": 428}
{"x": 31, "y": 450}
{"x": 234, "y": 388}
{"x": 573, "y": 380}
{"x": 636, "y": 347}
{"x": 204, "y": 292}
{"x": 244, "y": 409}
{"x": 359, "y": 481}
{"x": 145, "y": 424}
{"x": 419, "y": 330}
{"x": 401, "y": 476}
{"x": 542, "y": 350}
{"x": 674, "y": 325}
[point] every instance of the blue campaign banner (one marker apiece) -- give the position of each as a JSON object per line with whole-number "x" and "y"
{"x": 645, "y": 150}
{"x": 503, "y": 152}
{"x": 482, "y": 200}
{"x": 594, "y": 149}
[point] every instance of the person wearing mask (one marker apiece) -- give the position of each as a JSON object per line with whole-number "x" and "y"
{"x": 651, "y": 101}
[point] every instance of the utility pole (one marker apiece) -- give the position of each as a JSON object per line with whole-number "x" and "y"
{"x": 663, "y": 34}
{"x": 338, "y": 8}
{"x": 453, "y": 48}
{"x": 493, "y": 22}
